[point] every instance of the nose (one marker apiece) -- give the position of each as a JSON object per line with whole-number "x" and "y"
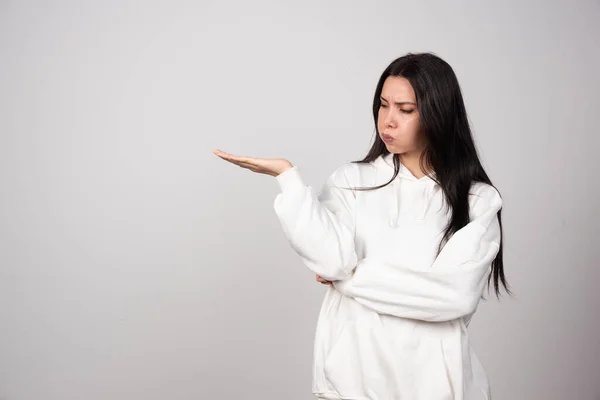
{"x": 388, "y": 120}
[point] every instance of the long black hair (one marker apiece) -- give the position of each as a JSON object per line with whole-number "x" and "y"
{"x": 450, "y": 149}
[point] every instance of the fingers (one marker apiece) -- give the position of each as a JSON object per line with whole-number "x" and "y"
{"x": 242, "y": 161}
{"x": 228, "y": 157}
{"x": 323, "y": 281}
{"x": 249, "y": 166}
{"x": 232, "y": 158}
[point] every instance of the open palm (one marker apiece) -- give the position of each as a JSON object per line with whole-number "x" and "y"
{"x": 268, "y": 166}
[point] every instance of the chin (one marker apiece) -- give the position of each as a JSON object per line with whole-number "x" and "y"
{"x": 393, "y": 149}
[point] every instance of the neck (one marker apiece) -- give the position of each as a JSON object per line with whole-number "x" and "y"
{"x": 411, "y": 162}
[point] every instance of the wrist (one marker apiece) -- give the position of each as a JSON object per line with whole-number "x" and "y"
{"x": 282, "y": 170}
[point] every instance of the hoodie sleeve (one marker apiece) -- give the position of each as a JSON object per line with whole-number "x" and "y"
{"x": 451, "y": 287}
{"x": 319, "y": 227}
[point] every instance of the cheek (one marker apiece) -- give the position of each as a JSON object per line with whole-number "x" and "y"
{"x": 380, "y": 124}
{"x": 409, "y": 130}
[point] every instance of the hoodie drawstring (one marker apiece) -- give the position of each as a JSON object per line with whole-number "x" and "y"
{"x": 428, "y": 192}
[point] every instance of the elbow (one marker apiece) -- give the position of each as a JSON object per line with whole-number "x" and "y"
{"x": 331, "y": 268}
{"x": 338, "y": 271}
{"x": 340, "y": 267}
{"x": 325, "y": 263}
{"x": 463, "y": 304}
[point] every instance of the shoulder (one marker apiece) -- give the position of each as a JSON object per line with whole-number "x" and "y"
{"x": 482, "y": 190}
{"x": 349, "y": 173}
{"x": 484, "y": 197}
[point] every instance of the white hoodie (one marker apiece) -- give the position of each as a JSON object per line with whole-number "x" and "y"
{"x": 394, "y": 324}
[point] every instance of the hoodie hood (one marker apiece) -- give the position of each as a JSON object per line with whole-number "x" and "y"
{"x": 425, "y": 185}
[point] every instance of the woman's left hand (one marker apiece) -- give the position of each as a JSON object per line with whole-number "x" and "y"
{"x": 324, "y": 281}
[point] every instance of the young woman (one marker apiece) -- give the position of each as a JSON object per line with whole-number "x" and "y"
{"x": 406, "y": 239}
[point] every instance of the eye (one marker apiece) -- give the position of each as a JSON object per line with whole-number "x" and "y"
{"x": 383, "y": 106}
{"x": 407, "y": 111}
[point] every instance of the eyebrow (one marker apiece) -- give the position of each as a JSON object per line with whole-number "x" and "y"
{"x": 400, "y": 103}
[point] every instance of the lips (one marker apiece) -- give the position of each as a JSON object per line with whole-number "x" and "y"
{"x": 387, "y": 138}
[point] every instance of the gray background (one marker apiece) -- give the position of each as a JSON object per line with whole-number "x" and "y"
{"x": 135, "y": 264}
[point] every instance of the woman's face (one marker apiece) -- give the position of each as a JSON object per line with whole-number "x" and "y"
{"x": 398, "y": 117}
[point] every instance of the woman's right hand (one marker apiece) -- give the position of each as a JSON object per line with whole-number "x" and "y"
{"x": 268, "y": 166}
{"x": 323, "y": 281}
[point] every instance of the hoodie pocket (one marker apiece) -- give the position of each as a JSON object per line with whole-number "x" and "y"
{"x": 342, "y": 364}
{"x": 360, "y": 365}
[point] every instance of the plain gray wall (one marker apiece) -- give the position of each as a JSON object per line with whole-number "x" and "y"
{"x": 135, "y": 264}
